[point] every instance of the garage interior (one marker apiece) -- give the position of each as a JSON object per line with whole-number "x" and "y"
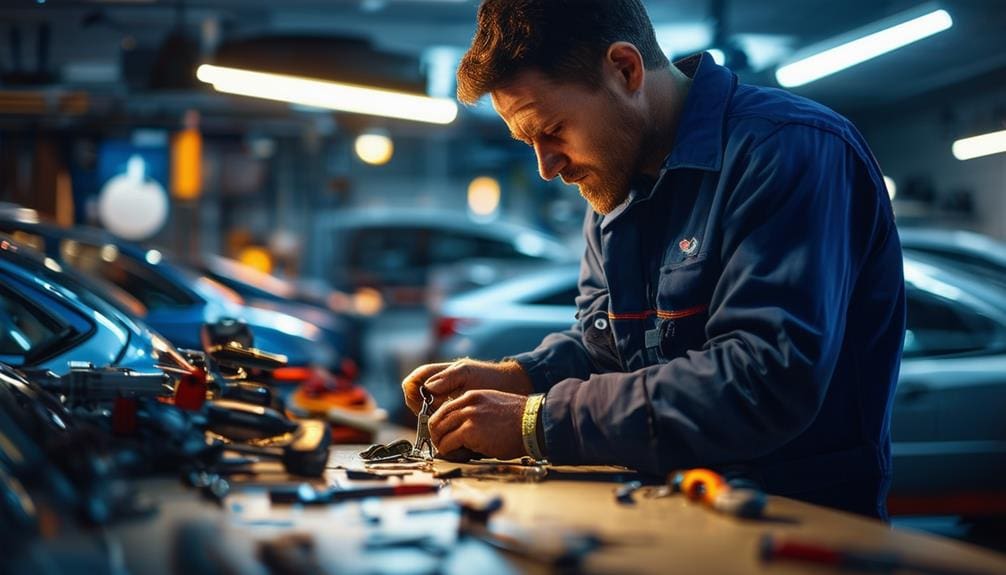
{"x": 192, "y": 215}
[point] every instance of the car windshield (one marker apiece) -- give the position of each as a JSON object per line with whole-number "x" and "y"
{"x": 111, "y": 265}
{"x": 224, "y": 269}
{"x": 26, "y": 331}
{"x": 81, "y": 288}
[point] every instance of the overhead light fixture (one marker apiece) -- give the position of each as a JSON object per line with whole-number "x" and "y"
{"x": 868, "y": 43}
{"x": 329, "y": 95}
{"x": 978, "y": 146}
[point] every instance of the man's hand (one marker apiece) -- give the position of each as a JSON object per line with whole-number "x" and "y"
{"x": 447, "y": 380}
{"x": 485, "y": 421}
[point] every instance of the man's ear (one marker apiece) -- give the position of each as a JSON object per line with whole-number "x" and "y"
{"x": 626, "y": 61}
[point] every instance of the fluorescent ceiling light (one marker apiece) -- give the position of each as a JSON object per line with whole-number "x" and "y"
{"x": 824, "y": 62}
{"x": 330, "y": 95}
{"x": 978, "y": 146}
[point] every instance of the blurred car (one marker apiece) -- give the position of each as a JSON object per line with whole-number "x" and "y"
{"x": 332, "y": 311}
{"x": 974, "y": 253}
{"x": 948, "y": 429}
{"x": 50, "y": 316}
{"x": 392, "y": 251}
{"x": 507, "y": 318}
{"x": 176, "y": 302}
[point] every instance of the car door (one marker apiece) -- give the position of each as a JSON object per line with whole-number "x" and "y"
{"x": 948, "y": 430}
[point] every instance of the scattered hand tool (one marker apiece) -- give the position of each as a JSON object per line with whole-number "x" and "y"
{"x": 500, "y": 471}
{"x": 625, "y": 491}
{"x": 305, "y": 453}
{"x": 358, "y": 475}
{"x": 306, "y": 494}
{"x": 563, "y": 550}
{"x": 240, "y": 421}
{"x": 711, "y": 489}
{"x": 773, "y": 549}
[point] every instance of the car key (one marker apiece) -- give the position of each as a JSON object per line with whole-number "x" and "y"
{"x": 423, "y": 441}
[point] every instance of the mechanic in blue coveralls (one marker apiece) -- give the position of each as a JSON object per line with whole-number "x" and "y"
{"x": 741, "y": 298}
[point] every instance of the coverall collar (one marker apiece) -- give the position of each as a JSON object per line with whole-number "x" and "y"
{"x": 699, "y": 140}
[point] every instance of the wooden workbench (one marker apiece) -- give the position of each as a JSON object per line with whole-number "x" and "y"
{"x": 654, "y": 535}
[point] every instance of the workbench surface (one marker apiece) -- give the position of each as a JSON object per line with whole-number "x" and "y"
{"x": 652, "y": 535}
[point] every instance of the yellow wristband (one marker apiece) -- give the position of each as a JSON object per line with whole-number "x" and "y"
{"x": 529, "y": 426}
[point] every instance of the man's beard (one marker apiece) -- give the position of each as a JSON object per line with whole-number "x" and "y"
{"x": 607, "y": 194}
{"x": 609, "y": 185}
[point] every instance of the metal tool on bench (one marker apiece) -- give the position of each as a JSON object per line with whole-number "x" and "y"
{"x": 497, "y": 471}
{"x": 304, "y": 452}
{"x": 306, "y": 494}
{"x": 783, "y": 548}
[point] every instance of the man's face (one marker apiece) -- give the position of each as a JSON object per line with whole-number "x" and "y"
{"x": 588, "y": 137}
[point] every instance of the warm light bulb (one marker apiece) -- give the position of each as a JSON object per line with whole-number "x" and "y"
{"x": 374, "y": 148}
{"x": 483, "y": 196}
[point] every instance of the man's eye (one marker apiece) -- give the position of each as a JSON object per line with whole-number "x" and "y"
{"x": 554, "y": 131}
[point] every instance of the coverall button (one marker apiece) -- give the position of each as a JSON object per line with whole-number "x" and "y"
{"x": 601, "y": 323}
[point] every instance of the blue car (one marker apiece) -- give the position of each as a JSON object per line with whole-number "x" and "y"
{"x": 173, "y": 301}
{"x": 49, "y": 317}
{"x": 336, "y": 313}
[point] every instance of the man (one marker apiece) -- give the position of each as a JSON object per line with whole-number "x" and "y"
{"x": 741, "y": 296}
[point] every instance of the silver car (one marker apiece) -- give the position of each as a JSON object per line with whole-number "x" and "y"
{"x": 394, "y": 250}
{"x": 948, "y": 426}
{"x": 977, "y": 254}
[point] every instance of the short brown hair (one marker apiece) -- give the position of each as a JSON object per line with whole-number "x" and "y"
{"x": 564, "y": 39}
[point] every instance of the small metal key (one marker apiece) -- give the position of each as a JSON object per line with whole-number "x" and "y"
{"x": 423, "y": 430}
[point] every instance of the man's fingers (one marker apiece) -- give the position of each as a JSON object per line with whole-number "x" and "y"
{"x": 450, "y": 379}
{"x": 419, "y": 375}
{"x": 415, "y": 380}
{"x": 412, "y": 398}
{"x": 454, "y": 413}
{"x": 444, "y": 421}
{"x": 456, "y": 439}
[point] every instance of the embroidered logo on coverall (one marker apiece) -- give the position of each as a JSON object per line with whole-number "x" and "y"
{"x": 689, "y": 246}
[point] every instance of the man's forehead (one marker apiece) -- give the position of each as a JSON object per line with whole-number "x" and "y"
{"x": 528, "y": 89}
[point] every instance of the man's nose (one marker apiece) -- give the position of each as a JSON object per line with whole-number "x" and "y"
{"x": 550, "y": 162}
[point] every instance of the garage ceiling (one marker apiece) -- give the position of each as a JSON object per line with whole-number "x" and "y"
{"x": 91, "y": 39}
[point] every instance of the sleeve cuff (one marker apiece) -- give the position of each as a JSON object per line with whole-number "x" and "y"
{"x": 556, "y": 420}
{"x": 536, "y": 370}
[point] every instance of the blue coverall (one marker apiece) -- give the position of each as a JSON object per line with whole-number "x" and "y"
{"x": 745, "y": 311}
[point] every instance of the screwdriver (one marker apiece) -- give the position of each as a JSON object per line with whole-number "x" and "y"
{"x": 308, "y": 495}
{"x": 774, "y": 549}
